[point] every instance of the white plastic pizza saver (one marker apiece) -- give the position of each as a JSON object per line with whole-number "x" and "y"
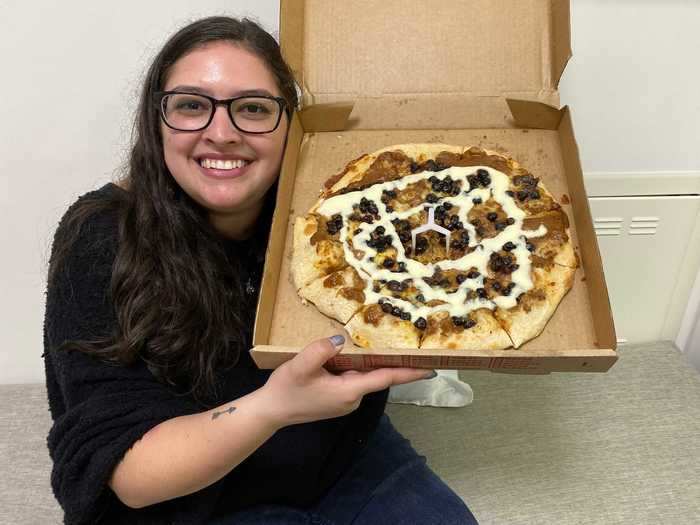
{"x": 430, "y": 225}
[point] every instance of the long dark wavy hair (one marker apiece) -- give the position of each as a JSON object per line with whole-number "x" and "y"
{"x": 171, "y": 267}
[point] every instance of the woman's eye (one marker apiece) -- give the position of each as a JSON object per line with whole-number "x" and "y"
{"x": 254, "y": 108}
{"x": 191, "y": 105}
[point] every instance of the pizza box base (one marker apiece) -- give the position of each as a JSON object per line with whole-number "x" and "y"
{"x": 376, "y": 74}
{"x": 580, "y": 335}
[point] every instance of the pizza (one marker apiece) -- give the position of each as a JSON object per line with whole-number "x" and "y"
{"x": 435, "y": 246}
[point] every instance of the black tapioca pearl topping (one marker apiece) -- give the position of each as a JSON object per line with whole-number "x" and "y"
{"x": 388, "y": 262}
{"x": 375, "y": 289}
{"x": 484, "y": 177}
{"x": 381, "y": 300}
{"x": 470, "y": 323}
{"x": 405, "y": 316}
{"x": 460, "y": 278}
{"x": 433, "y": 179}
{"x": 509, "y": 246}
{"x": 431, "y": 165}
{"x": 534, "y": 194}
{"x": 447, "y": 205}
{"x": 396, "y": 311}
{"x": 404, "y": 236}
{"x": 431, "y": 198}
{"x": 457, "y": 321}
{"x": 475, "y": 222}
{"x": 523, "y": 195}
{"x": 508, "y": 289}
{"x": 414, "y": 167}
{"x": 477, "y": 200}
{"x": 496, "y": 286}
{"x": 390, "y": 193}
{"x": 369, "y": 219}
{"x": 530, "y": 247}
{"x": 386, "y": 307}
{"x": 420, "y": 298}
{"x": 405, "y": 284}
{"x": 446, "y": 187}
{"x": 402, "y": 267}
{"x": 421, "y": 245}
{"x": 524, "y": 180}
{"x": 357, "y": 231}
{"x": 389, "y": 209}
{"x": 465, "y": 236}
{"x": 510, "y": 221}
{"x": 456, "y": 244}
{"x": 500, "y": 226}
{"x": 394, "y": 286}
{"x": 380, "y": 230}
{"x": 481, "y": 292}
{"x": 420, "y": 323}
{"x": 509, "y": 193}
{"x": 473, "y": 274}
{"x": 492, "y": 216}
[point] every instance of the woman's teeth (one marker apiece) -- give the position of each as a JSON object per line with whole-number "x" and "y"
{"x": 222, "y": 164}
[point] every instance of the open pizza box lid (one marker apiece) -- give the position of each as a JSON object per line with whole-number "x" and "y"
{"x": 426, "y": 64}
{"x": 472, "y": 72}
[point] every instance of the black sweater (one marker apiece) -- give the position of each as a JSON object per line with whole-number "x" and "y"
{"x": 101, "y": 410}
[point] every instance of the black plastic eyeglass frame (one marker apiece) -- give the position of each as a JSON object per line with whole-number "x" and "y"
{"x": 162, "y": 95}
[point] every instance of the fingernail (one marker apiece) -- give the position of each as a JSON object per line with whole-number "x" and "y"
{"x": 337, "y": 340}
{"x": 431, "y": 375}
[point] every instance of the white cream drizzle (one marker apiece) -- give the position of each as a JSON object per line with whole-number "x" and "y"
{"x": 456, "y": 303}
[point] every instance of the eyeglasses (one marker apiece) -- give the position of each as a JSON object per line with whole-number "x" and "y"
{"x": 194, "y": 112}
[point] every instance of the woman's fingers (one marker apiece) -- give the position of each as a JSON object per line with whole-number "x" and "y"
{"x": 312, "y": 357}
{"x": 382, "y": 378}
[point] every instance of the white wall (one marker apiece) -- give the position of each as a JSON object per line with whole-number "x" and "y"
{"x": 71, "y": 71}
{"x": 69, "y": 82}
{"x": 633, "y": 84}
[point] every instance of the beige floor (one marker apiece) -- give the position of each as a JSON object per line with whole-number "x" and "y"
{"x": 615, "y": 448}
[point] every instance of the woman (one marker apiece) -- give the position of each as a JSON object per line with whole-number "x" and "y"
{"x": 160, "y": 415}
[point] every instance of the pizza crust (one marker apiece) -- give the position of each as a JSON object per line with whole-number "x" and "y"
{"x": 333, "y": 294}
{"x": 311, "y": 261}
{"x": 386, "y": 332}
{"x": 529, "y": 318}
{"x": 487, "y": 334}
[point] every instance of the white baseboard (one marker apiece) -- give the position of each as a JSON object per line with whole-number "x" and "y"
{"x": 620, "y": 184}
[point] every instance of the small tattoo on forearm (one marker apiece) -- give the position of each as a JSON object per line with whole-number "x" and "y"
{"x": 227, "y": 411}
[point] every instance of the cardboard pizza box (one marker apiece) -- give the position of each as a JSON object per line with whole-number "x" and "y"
{"x": 473, "y": 73}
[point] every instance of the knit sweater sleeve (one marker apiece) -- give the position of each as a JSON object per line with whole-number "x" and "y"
{"x": 100, "y": 410}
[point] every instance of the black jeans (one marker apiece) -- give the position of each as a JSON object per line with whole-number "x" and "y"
{"x": 390, "y": 484}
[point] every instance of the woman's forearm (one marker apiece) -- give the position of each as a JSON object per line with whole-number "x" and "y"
{"x": 187, "y": 453}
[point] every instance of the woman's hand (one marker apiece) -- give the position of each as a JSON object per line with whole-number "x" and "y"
{"x": 301, "y": 390}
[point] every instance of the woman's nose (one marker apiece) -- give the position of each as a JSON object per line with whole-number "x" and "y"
{"x": 221, "y": 129}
